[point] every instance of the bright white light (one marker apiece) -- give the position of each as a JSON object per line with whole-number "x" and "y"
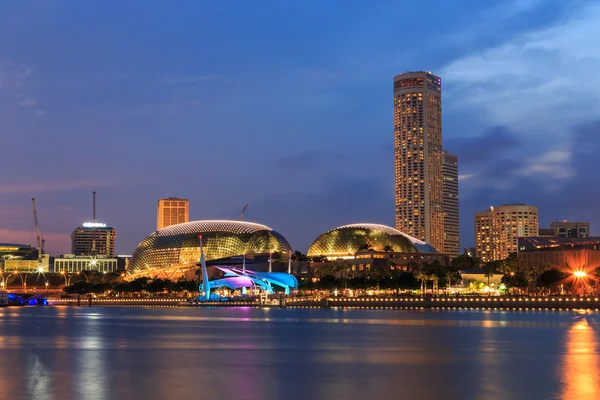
{"x": 93, "y": 225}
{"x": 93, "y": 262}
{"x": 579, "y": 274}
{"x": 40, "y": 269}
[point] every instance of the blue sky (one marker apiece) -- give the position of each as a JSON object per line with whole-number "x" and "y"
{"x": 287, "y": 106}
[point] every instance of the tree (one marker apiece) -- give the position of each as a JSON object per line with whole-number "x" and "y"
{"x": 328, "y": 282}
{"x": 298, "y": 256}
{"x": 463, "y": 262}
{"x": 388, "y": 248}
{"x": 366, "y": 247}
{"x": 140, "y": 284}
{"x": 490, "y": 268}
{"x": 515, "y": 280}
{"x": 550, "y": 279}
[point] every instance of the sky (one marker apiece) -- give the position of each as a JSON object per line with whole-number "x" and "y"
{"x": 287, "y": 106}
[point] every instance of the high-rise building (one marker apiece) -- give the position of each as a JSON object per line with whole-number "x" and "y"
{"x": 93, "y": 239}
{"x": 418, "y": 157}
{"x": 450, "y": 190}
{"x": 172, "y": 211}
{"x": 497, "y": 230}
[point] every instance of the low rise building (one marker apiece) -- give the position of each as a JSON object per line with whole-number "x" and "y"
{"x": 71, "y": 263}
{"x": 559, "y": 252}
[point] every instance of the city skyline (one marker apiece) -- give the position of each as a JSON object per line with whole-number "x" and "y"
{"x": 310, "y": 145}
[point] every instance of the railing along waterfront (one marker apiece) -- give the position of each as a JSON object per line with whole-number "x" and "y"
{"x": 450, "y": 302}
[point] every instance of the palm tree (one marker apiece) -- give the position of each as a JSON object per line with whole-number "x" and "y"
{"x": 366, "y": 247}
{"x": 489, "y": 268}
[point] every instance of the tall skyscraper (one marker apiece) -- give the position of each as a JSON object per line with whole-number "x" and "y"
{"x": 171, "y": 211}
{"x": 497, "y": 230}
{"x": 451, "y": 219}
{"x": 418, "y": 156}
{"x": 93, "y": 239}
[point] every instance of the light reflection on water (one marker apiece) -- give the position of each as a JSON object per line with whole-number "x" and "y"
{"x": 111, "y": 353}
{"x": 580, "y": 373}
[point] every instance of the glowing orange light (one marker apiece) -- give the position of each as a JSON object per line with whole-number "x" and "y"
{"x": 579, "y": 274}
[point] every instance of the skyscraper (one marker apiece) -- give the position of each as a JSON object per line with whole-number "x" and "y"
{"x": 418, "y": 156}
{"x": 171, "y": 211}
{"x": 91, "y": 239}
{"x": 497, "y": 230}
{"x": 451, "y": 220}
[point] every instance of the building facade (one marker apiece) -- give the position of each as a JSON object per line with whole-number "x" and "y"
{"x": 22, "y": 257}
{"x": 451, "y": 212}
{"x": 497, "y": 230}
{"x": 70, "y": 263}
{"x": 418, "y": 157}
{"x": 172, "y": 211}
{"x": 559, "y": 252}
{"x": 567, "y": 229}
{"x": 178, "y": 245}
{"x": 93, "y": 239}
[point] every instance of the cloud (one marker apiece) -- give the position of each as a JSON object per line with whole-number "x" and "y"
{"x": 29, "y": 102}
{"x": 13, "y": 78}
{"x": 542, "y": 81}
{"x": 491, "y": 144}
{"x": 13, "y": 75}
{"x": 555, "y": 163}
{"x": 36, "y": 187}
{"x": 166, "y": 108}
{"x": 189, "y": 79}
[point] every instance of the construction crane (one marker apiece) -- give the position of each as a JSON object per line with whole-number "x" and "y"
{"x": 37, "y": 231}
{"x": 243, "y": 212}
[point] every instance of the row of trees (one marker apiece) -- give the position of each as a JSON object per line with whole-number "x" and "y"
{"x": 139, "y": 285}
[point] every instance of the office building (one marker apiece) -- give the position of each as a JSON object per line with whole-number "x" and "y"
{"x": 567, "y": 229}
{"x": 451, "y": 219}
{"x": 91, "y": 239}
{"x": 418, "y": 157}
{"x": 497, "y": 230}
{"x": 172, "y": 211}
{"x": 70, "y": 263}
{"x": 22, "y": 257}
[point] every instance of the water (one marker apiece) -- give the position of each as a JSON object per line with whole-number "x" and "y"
{"x": 167, "y": 353}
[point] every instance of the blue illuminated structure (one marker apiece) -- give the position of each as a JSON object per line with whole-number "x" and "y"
{"x": 235, "y": 278}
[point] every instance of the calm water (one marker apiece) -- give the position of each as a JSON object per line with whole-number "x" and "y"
{"x": 153, "y": 353}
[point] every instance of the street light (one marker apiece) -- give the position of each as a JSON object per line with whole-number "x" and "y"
{"x": 23, "y": 284}
{"x": 64, "y": 274}
{"x": 47, "y": 283}
{"x": 579, "y": 274}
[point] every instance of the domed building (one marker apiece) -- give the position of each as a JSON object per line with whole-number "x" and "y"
{"x": 347, "y": 240}
{"x": 179, "y": 245}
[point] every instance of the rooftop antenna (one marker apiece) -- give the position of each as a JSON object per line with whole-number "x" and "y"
{"x": 243, "y": 212}
{"x": 94, "y": 223}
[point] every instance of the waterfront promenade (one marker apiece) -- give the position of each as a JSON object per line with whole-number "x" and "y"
{"x": 451, "y": 302}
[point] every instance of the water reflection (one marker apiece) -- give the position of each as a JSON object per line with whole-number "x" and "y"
{"x": 580, "y": 373}
{"x": 69, "y": 353}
